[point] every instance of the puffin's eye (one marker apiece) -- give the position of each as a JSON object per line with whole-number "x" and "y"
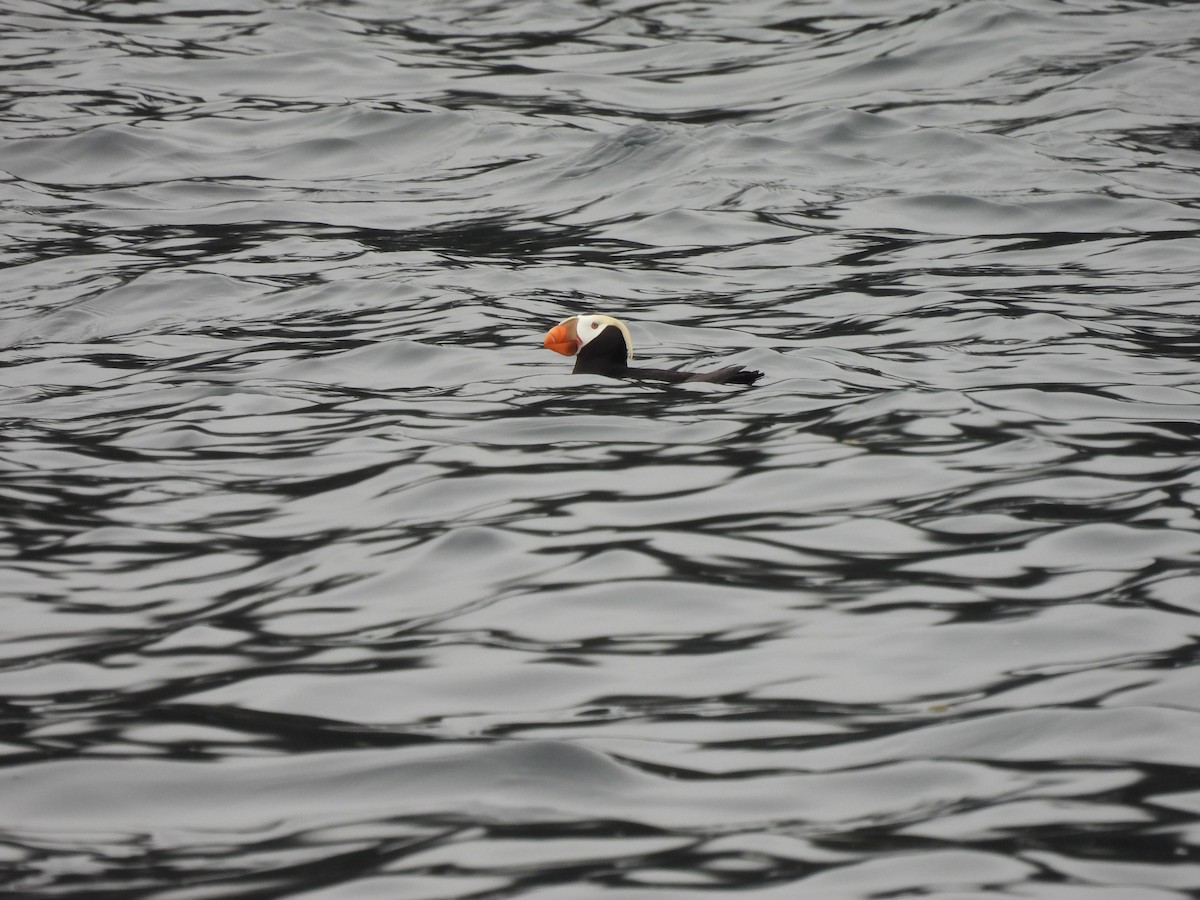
{"x": 595, "y": 325}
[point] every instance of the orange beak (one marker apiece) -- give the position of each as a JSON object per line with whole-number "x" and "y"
{"x": 561, "y": 340}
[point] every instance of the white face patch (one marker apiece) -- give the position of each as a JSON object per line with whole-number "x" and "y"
{"x": 588, "y": 327}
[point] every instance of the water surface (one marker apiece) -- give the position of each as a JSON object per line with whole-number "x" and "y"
{"x": 323, "y": 579}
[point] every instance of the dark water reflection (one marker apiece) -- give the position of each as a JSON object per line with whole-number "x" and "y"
{"x": 322, "y": 580}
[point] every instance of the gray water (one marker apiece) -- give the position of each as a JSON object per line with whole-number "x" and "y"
{"x": 323, "y": 579}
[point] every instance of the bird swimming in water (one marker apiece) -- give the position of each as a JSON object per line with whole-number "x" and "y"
{"x": 602, "y": 345}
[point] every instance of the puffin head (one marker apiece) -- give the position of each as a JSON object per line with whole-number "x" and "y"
{"x": 571, "y": 336}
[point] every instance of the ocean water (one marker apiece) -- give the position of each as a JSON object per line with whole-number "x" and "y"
{"x": 322, "y": 579}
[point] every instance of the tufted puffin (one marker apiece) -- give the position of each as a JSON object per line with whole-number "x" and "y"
{"x": 601, "y": 345}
